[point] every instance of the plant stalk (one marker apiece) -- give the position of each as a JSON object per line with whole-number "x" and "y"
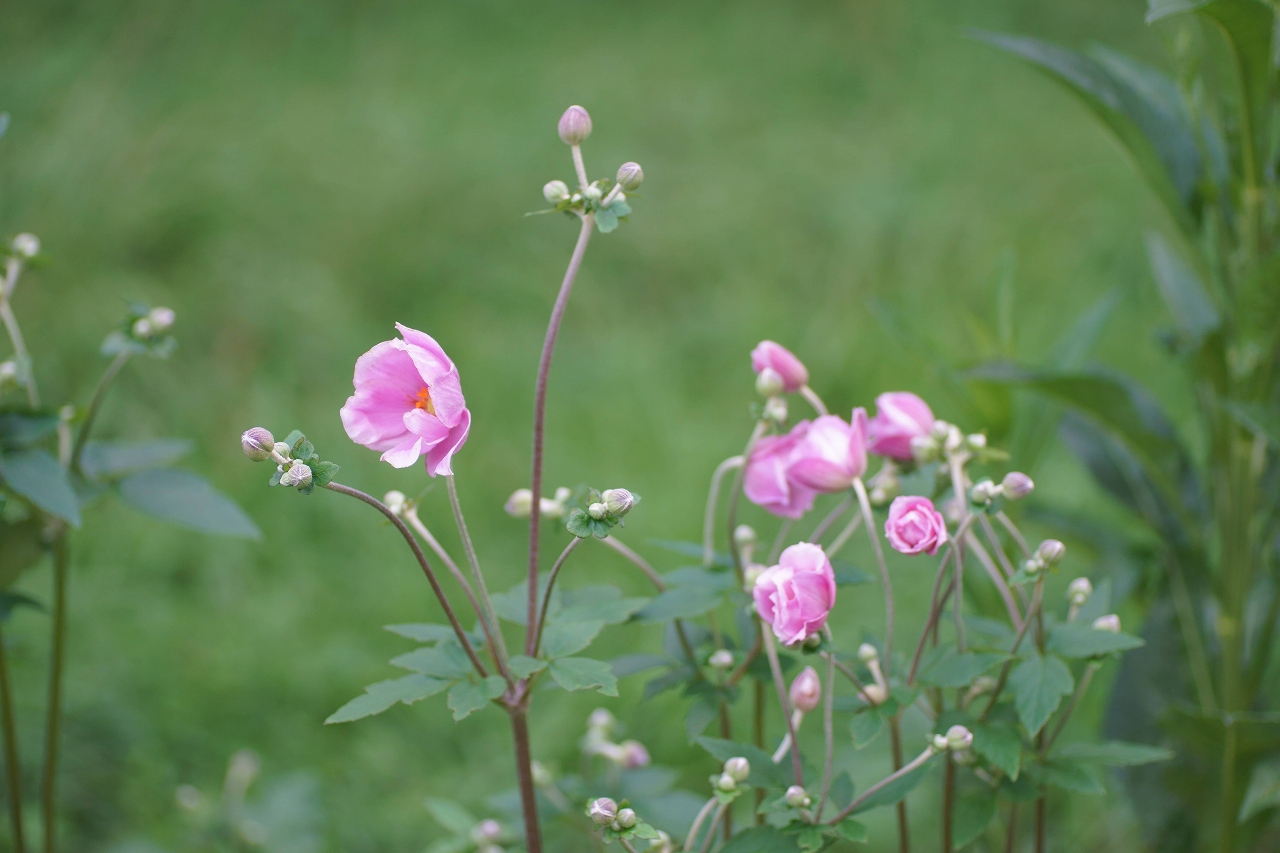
{"x": 524, "y": 776}
{"x": 53, "y": 713}
{"x": 13, "y": 765}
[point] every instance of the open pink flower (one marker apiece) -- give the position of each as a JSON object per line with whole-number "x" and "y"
{"x": 765, "y": 482}
{"x": 914, "y": 526}
{"x": 780, "y": 359}
{"x": 900, "y": 417}
{"x": 408, "y": 403}
{"x": 796, "y": 595}
{"x": 831, "y": 454}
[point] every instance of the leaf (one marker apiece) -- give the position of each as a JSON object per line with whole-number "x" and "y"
{"x": 764, "y": 773}
{"x": 38, "y": 477}
{"x": 1067, "y": 775}
{"x": 865, "y": 726}
{"x": 452, "y": 816}
{"x": 562, "y": 639}
{"x": 606, "y": 219}
{"x": 322, "y": 473}
{"x": 952, "y": 670}
{"x": 632, "y": 664}
{"x": 1077, "y": 640}
{"x": 19, "y": 430}
{"x": 11, "y": 601}
{"x": 1114, "y": 753}
{"x": 1000, "y": 745}
{"x": 1039, "y": 683}
{"x": 761, "y": 839}
{"x": 681, "y": 602}
{"x": 583, "y": 674}
{"x": 1193, "y": 311}
{"x": 467, "y": 697}
{"x": 381, "y": 696}
{"x": 522, "y": 666}
{"x": 604, "y": 603}
{"x": 975, "y": 808}
{"x": 693, "y": 549}
{"x": 1263, "y": 792}
{"x": 111, "y": 458}
{"x": 851, "y": 830}
{"x": 700, "y": 715}
{"x": 897, "y": 789}
{"x": 422, "y": 632}
{"x": 21, "y": 547}
{"x": 447, "y": 661}
{"x": 188, "y": 500}
{"x": 579, "y": 524}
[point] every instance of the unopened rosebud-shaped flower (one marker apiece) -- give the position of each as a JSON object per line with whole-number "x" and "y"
{"x": 26, "y": 245}
{"x": 142, "y": 328}
{"x": 769, "y": 383}
{"x": 486, "y": 830}
{"x": 744, "y": 536}
{"x": 555, "y": 191}
{"x": 298, "y": 475}
{"x": 1051, "y": 551}
{"x": 868, "y": 653}
{"x": 551, "y": 510}
{"x": 602, "y": 811}
{"x": 783, "y": 362}
{"x": 161, "y": 319}
{"x": 874, "y": 694}
{"x": 395, "y": 501}
{"x": 627, "y": 819}
{"x": 630, "y": 176}
{"x": 618, "y": 501}
{"x": 593, "y": 193}
{"x": 597, "y": 511}
{"x": 976, "y": 441}
{"x": 575, "y": 125}
{"x": 938, "y": 743}
{"x": 958, "y": 737}
{"x": 257, "y": 443}
{"x": 1016, "y": 485}
{"x": 797, "y": 797}
{"x": 806, "y": 690}
{"x": 1110, "y": 622}
{"x": 520, "y": 504}
{"x": 1079, "y": 591}
{"x": 632, "y": 754}
{"x": 721, "y": 659}
{"x": 738, "y": 768}
{"x": 282, "y": 450}
{"x": 984, "y": 492}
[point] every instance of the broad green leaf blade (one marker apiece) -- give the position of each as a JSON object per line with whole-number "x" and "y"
{"x": 761, "y": 839}
{"x": 38, "y": 477}
{"x": 188, "y": 500}
{"x": 693, "y": 549}
{"x": 447, "y": 661}
{"x": 1114, "y": 753}
{"x": 522, "y": 666}
{"x": 1258, "y": 418}
{"x": 632, "y": 664}
{"x": 422, "y": 632}
{"x": 1263, "y": 792}
{"x": 466, "y": 697}
{"x": 19, "y": 430}
{"x": 681, "y": 602}
{"x": 21, "y": 547}
{"x": 1193, "y": 311}
{"x": 1076, "y": 640}
{"x": 1000, "y": 745}
{"x": 562, "y": 639}
{"x": 381, "y": 696}
{"x": 1067, "y": 775}
{"x": 897, "y": 789}
{"x": 865, "y": 727}
{"x": 583, "y": 674}
{"x": 1039, "y": 683}
{"x": 112, "y": 458}
{"x": 764, "y": 773}
{"x": 953, "y": 670}
{"x": 975, "y": 808}
{"x": 452, "y": 816}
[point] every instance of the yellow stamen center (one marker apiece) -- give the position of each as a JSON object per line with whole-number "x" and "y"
{"x": 423, "y": 401}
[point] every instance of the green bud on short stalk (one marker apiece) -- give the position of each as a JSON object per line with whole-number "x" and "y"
{"x": 551, "y": 510}
{"x": 630, "y": 176}
{"x": 26, "y": 245}
{"x": 396, "y": 501}
{"x": 555, "y": 192}
{"x": 726, "y": 783}
{"x": 574, "y": 126}
{"x": 8, "y": 373}
{"x": 874, "y": 694}
{"x": 775, "y": 409}
{"x": 626, "y": 819}
{"x": 298, "y": 475}
{"x": 959, "y": 737}
{"x": 797, "y": 797}
{"x": 868, "y": 653}
{"x": 1079, "y": 591}
{"x": 769, "y": 383}
{"x": 257, "y": 443}
{"x": 738, "y": 768}
{"x": 940, "y": 430}
{"x": 721, "y": 659}
{"x": 1051, "y": 552}
{"x": 1016, "y": 485}
{"x": 520, "y": 504}
{"x": 618, "y": 501}
{"x": 954, "y": 440}
{"x": 602, "y": 811}
{"x": 1110, "y": 622}
{"x": 984, "y": 493}
{"x": 593, "y": 193}
{"x": 925, "y": 448}
{"x": 142, "y": 328}
{"x": 161, "y": 319}
{"x": 597, "y": 511}
{"x": 744, "y": 536}
{"x": 976, "y": 441}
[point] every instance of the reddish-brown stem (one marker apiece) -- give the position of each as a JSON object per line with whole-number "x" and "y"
{"x": 539, "y": 420}
{"x": 12, "y": 765}
{"x": 1012, "y": 834}
{"x": 524, "y": 775}
{"x": 948, "y": 801}
{"x": 895, "y": 746}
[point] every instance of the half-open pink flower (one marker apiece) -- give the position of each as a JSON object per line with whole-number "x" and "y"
{"x": 900, "y": 417}
{"x": 796, "y": 595}
{"x": 832, "y": 453}
{"x": 781, "y": 360}
{"x": 408, "y": 403}
{"x": 765, "y": 482}
{"x": 914, "y": 526}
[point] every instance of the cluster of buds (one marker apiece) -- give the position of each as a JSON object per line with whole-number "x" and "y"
{"x": 1015, "y": 486}
{"x": 1048, "y": 554}
{"x": 735, "y": 772}
{"x": 603, "y": 811}
{"x": 885, "y": 485}
{"x": 604, "y": 198}
{"x": 25, "y": 246}
{"x": 604, "y": 510}
{"x": 520, "y": 504}
{"x": 153, "y": 324}
{"x": 1078, "y": 593}
{"x": 797, "y": 797}
{"x": 297, "y": 465}
{"x": 944, "y": 441}
{"x": 957, "y": 739}
{"x": 877, "y": 692}
{"x": 629, "y": 754}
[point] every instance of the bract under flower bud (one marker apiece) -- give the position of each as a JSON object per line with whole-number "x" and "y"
{"x": 797, "y": 797}
{"x": 257, "y": 443}
{"x": 627, "y": 818}
{"x": 1051, "y": 551}
{"x": 630, "y": 176}
{"x": 298, "y": 475}
{"x": 555, "y": 191}
{"x": 597, "y": 511}
{"x": 721, "y": 659}
{"x": 395, "y": 501}
{"x": 26, "y": 245}
{"x": 1079, "y": 591}
{"x": 1016, "y": 485}
{"x": 769, "y": 383}
{"x": 520, "y": 504}
{"x": 618, "y": 501}
{"x": 602, "y": 811}
{"x": 806, "y": 690}
{"x": 738, "y": 767}
{"x": 575, "y": 125}
{"x": 958, "y": 737}
{"x": 726, "y": 783}
{"x": 1110, "y": 622}
{"x": 867, "y": 653}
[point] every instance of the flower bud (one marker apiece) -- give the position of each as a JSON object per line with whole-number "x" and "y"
{"x": 1016, "y": 485}
{"x": 520, "y": 504}
{"x": 924, "y": 448}
{"x": 602, "y": 811}
{"x": 874, "y": 694}
{"x": 721, "y": 659}
{"x": 26, "y": 245}
{"x": 298, "y": 475}
{"x": 395, "y": 501}
{"x": 627, "y": 819}
{"x": 954, "y": 440}
{"x": 976, "y": 441}
{"x": 797, "y": 797}
{"x": 555, "y": 192}
{"x": 575, "y": 125}
{"x": 541, "y": 775}
{"x": 486, "y": 830}
{"x": 940, "y": 430}
{"x": 662, "y": 844}
{"x": 938, "y": 743}
{"x": 1110, "y": 622}
{"x": 958, "y": 737}
{"x": 769, "y": 383}
{"x": 563, "y": 494}
{"x": 257, "y": 443}
{"x": 806, "y": 690}
{"x": 618, "y": 501}
{"x": 738, "y": 768}
{"x": 1033, "y": 567}
{"x": 593, "y": 193}
{"x": 551, "y": 509}
{"x": 601, "y": 719}
{"x": 744, "y": 536}
{"x": 775, "y": 409}
{"x": 161, "y": 319}
{"x": 750, "y": 575}
{"x": 1079, "y": 591}
{"x": 726, "y": 783}
{"x": 630, "y": 176}
{"x": 1051, "y": 551}
{"x": 633, "y": 755}
{"x": 142, "y": 328}
{"x": 597, "y": 511}
{"x": 282, "y": 450}
{"x": 868, "y": 653}
{"x": 983, "y": 493}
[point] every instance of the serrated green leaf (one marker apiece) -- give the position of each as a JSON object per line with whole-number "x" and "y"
{"x": 186, "y": 499}
{"x": 422, "y": 632}
{"x": 681, "y": 602}
{"x": 38, "y": 477}
{"x": 975, "y": 808}
{"x": 112, "y": 458}
{"x": 562, "y": 639}
{"x": 1076, "y": 640}
{"x": 865, "y": 726}
{"x": 1114, "y": 753}
{"x": 467, "y": 697}
{"x": 579, "y": 524}
{"x": 761, "y": 839}
{"x": 522, "y": 666}
{"x": 451, "y": 815}
{"x": 952, "y": 670}
{"x": 1000, "y": 745}
{"x": 851, "y": 830}
{"x": 1039, "y": 683}
{"x": 606, "y": 220}
{"x": 381, "y": 696}
{"x": 898, "y": 789}
{"x": 583, "y": 674}
{"x": 22, "y": 429}
{"x": 611, "y": 611}
{"x": 322, "y": 473}
{"x": 447, "y": 661}
{"x": 1067, "y": 775}
{"x": 21, "y": 547}
{"x": 764, "y": 773}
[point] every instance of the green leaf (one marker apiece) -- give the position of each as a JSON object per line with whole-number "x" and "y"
{"x": 112, "y": 458}
{"x": 764, "y": 773}
{"x": 583, "y": 674}
{"x": 1039, "y": 683}
{"x": 851, "y": 830}
{"x": 38, "y": 477}
{"x": 1067, "y": 775}
{"x": 452, "y": 816}
{"x": 579, "y": 524}
{"x": 1193, "y": 311}
{"x": 381, "y": 696}
{"x": 1076, "y": 640}
{"x": 1263, "y": 792}
{"x": 522, "y": 666}
{"x": 423, "y": 632}
{"x": 21, "y": 547}
{"x": 1114, "y": 753}
{"x": 952, "y": 670}
{"x": 606, "y": 220}
{"x": 467, "y": 697}
{"x": 632, "y": 664}
{"x": 603, "y": 602}
{"x": 865, "y": 726}
{"x": 1000, "y": 745}
{"x": 1259, "y": 419}
{"x": 975, "y": 808}
{"x": 761, "y": 839}
{"x": 693, "y": 549}
{"x": 897, "y": 789}
{"x": 322, "y": 473}
{"x": 447, "y": 661}
{"x": 681, "y": 602}
{"x": 562, "y": 639}
{"x": 19, "y": 430}
{"x": 188, "y": 500}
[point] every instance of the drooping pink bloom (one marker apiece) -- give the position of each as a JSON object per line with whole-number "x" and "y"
{"x": 900, "y": 417}
{"x": 780, "y": 359}
{"x": 408, "y": 403}
{"x": 914, "y": 526}
{"x": 832, "y": 453}
{"x": 806, "y": 690}
{"x": 765, "y": 482}
{"x": 796, "y": 595}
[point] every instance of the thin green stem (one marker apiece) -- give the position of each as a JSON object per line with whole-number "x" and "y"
{"x": 13, "y": 766}
{"x": 916, "y": 762}
{"x": 831, "y": 518}
{"x": 535, "y": 631}
{"x": 12, "y": 268}
{"x": 1085, "y": 678}
{"x": 812, "y": 398}
{"x": 785, "y": 703}
{"x": 735, "y": 493}
{"x": 1037, "y": 597}
{"x": 870, "y": 522}
{"x": 713, "y": 500}
{"x": 95, "y": 404}
{"x": 843, "y": 537}
{"x": 948, "y": 801}
{"x": 488, "y": 615}
{"x": 828, "y": 731}
{"x": 53, "y": 712}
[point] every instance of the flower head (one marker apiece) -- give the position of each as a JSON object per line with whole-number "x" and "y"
{"x": 806, "y": 690}
{"x": 408, "y": 403}
{"x": 832, "y": 453}
{"x": 914, "y": 526}
{"x": 796, "y": 595}
{"x": 257, "y": 443}
{"x": 766, "y": 483}
{"x": 780, "y": 359}
{"x": 900, "y": 417}
{"x": 575, "y": 125}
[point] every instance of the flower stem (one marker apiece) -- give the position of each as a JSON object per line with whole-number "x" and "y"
{"x": 12, "y": 764}
{"x": 812, "y": 398}
{"x": 776, "y": 668}
{"x": 843, "y": 537}
{"x": 53, "y": 713}
{"x": 639, "y": 562}
{"x": 95, "y": 403}
{"x": 828, "y": 732}
{"x": 697, "y": 823}
{"x": 540, "y": 408}
{"x": 895, "y": 746}
{"x": 831, "y": 518}
{"x": 488, "y": 616}
{"x": 736, "y": 493}
{"x": 948, "y": 802}
{"x": 870, "y": 521}
{"x": 524, "y": 775}
{"x": 536, "y": 630}
{"x": 713, "y": 499}
{"x": 12, "y": 268}
{"x": 916, "y": 762}
{"x": 935, "y": 609}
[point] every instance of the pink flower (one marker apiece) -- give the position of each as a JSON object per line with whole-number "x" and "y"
{"x": 900, "y": 417}
{"x": 796, "y": 595}
{"x": 914, "y": 526}
{"x": 765, "y": 482}
{"x": 783, "y": 362}
{"x": 832, "y": 454}
{"x": 408, "y": 402}
{"x": 806, "y": 690}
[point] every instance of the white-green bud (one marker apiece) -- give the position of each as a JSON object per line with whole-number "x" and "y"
{"x": 627, "y": 819}
{"x": 1051, "y": 551}
{"x": 593, "y": 193}
{"x": 395, "y": 501}
{"x": 282, "y": 450}
{"x": 721, "y": 659}
{"x": 601, "y": 719}
{"x": 924, "y": 448}
{"x": 520, "y": 504}
{"x": 1110, "y": 622}
{"x": 874, "y": 694}
{"x": 750, "y": 575}
{"x": 775, "y": 409}
{"x": 726, "y": 783}
{"x": 563, "y": 494}
{"x": 555, "y": 192}
{"x": 26, "y": 245}
{"x": 938, "y": 743}
{"x": 486, "y": 830}
{"x": 597, "y": 511}
{"x": 868, "y": 653}
{"x": 1016, "y": 485}
{"x": 1079, "y": 591}
{"x": 142, "y": 328}
{"x": 257, "y": 443}
{"x": 738, "y": 768}
{"x": 1033, "y": 566}
{"x": 297, "y": 476}
{"x": 551, "y": 510}
{"x": 574, "y": 126}
{"x": 976, "y": 440}
{"x": 954, "y": 440}
{"x": 744, "y": 536}
{"x": 618, "y": 501}
{"x": 797, "y": 797}
{"x": 602, "y": 811}
{"x": 630, "y": 176}
{"x": 161, "y": 319}
{"x": 984, "y": 492}
{"x": 940, "y": 430}
{"x": 958, "y": 737}
{"x": 769, "y": 383}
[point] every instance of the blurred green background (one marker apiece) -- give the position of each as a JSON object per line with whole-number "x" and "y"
{"x": 294, "y": 177}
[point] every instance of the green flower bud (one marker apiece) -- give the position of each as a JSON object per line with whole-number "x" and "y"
{"x": 297, "y": 476}
{"x": 797, "y": 797}
{"x": 257, "y": 443}
{"x": 618, "y": 501}
{"x": 555, "y": 192}
{"x": 627, "y": 819}
{"x": 738, "y": 768}
{"x": 630, "y": 176}
{"x": 602, "y": 811}
{"x": 1016, "y": 485}
{"x": 1110, "y": 622}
